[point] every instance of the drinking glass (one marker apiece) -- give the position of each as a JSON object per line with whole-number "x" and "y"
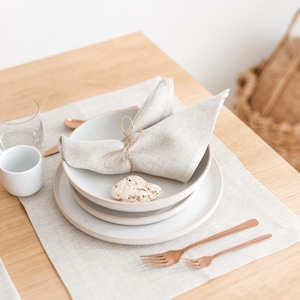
{"x": 20, "y": 122}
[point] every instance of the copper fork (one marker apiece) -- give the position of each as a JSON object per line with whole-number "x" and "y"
{"x": 172, "y": 257}
{"x": 204, "y": 261}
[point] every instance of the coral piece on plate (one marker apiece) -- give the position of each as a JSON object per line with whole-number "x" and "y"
{"x": 135, "y": 189}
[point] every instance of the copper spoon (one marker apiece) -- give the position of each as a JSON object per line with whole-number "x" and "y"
{"x": 73, "y": 123}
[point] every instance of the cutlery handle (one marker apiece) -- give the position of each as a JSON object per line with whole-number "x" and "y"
{"x": 243, "y": 245}
{"x": 51, "y": 151}
{"x": 240, "y": 227}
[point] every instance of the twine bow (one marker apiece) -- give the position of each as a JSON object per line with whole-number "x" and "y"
{"x": 128, "y": 140}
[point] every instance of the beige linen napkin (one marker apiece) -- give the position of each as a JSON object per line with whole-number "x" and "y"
{"x": 157, "y": 142}
{"x": 157, "y": 106}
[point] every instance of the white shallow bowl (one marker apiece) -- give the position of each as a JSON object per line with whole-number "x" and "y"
{"x": 97, "y": 187}
{"x": 129, "y": 218}
{"x": 206, "y": 200}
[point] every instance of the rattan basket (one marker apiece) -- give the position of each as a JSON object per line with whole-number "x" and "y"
{"x": 268, "y": 98}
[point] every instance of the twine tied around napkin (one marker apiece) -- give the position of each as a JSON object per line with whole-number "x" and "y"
{"x": 170, "y": 145}
{"x": 128, "y": 140}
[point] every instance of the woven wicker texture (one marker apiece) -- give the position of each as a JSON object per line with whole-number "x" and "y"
{"x": 268, "y": 98}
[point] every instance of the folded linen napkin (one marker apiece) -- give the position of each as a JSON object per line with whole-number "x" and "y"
{"x": 168, "y": 145}
{"x": 157, "y": 106}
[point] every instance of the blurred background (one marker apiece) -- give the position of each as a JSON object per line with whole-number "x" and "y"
{"x": 214, "y": 41}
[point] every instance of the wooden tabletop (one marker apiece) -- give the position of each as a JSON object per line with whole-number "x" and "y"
{"x": 109, "y": 66}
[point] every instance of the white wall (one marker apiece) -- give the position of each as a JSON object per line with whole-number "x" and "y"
{"x": 213, "y": 40}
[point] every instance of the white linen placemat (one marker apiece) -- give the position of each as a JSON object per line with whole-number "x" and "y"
{"x": 94, "y": 269}
{"x": 8, "y": 290}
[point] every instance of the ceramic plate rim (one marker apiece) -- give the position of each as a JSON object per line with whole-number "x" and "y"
{"x": 177, "y": 207}
{"x": 144, "y": 241}
{"x": 146, "y": 206}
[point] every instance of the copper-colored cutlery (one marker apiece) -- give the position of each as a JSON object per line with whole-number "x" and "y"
{"x": 172, "y": 257}
{"x": 204, "y": 261}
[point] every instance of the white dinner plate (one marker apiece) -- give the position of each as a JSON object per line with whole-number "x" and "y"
{"x": 97, "y": 187}
{"x": 198, "y": 211}
{"x": 129, "y": 218}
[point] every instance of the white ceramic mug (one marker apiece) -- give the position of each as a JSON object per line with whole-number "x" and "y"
{"x": 22, "y": 170}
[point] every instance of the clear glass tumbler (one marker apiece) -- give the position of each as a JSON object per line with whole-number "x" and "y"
{"x": 20, "y": 122}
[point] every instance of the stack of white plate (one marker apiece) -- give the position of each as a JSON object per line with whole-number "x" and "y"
{"x": 84, "y": 197}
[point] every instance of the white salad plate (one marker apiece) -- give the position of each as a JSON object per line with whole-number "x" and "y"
{"x": 202, "y": 206}
{"x": 97, "y": 187}
{"x": 129, "y": 218}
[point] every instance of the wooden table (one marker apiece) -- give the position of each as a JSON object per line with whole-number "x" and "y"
{"x": 109, "y": 66}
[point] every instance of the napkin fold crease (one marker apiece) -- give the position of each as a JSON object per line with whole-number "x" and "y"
{"x": 157, "y": 141}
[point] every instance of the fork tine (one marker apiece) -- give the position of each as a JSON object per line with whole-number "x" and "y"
{"x": 153, "y": 256}
{"x": 156, "y": 260}
{"x": 193, "y": 263}
{"x": 156, "y": 263}
{"x": 189, "y": 262}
